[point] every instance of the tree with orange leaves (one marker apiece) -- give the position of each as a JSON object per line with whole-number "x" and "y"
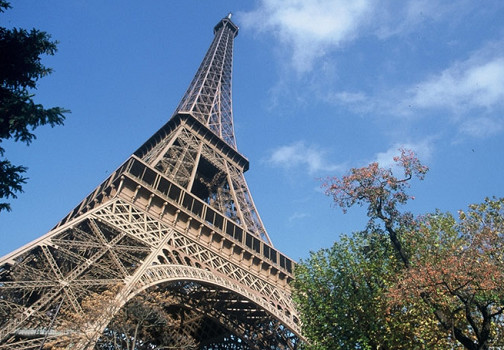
{"x": 381, "y": 191}
{"x": 453, "y": 269}
{"x": 457, "y": 267}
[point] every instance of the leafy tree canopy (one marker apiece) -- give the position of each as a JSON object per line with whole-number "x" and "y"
{"x": 425, "y": 283}
{"x": 457, "y": 266}
{"x": 342, "y": 296}
{"x": 20, "y": 115}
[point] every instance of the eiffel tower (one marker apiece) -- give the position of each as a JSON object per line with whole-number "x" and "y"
{"x": 178, "y": 217}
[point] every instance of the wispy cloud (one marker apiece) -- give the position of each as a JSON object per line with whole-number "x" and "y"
{"x": 309, "y": 32}
{"x": 299, "y": 155}
{"x": 405, "y": 16}
{"x": 356, "y": 101}
{"x": 477, "y": 82}
{"x": 469, "y": 94}
{"x": 310, "y": 29}
{"x": 466, "y": 85}
{"x": 482, "y": 127}
{"x": 298, "y": 216}
{"x": 423, "y": 150}
{"x": 346, "y": 97}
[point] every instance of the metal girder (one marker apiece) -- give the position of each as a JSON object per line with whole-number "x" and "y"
{"x": 208, "y": 97}
{"x": 178, "y": 217}
{"x": 123, "y": 222}
{"x": 183, "y": 161}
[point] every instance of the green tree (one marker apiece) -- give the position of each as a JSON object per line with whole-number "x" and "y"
{"x": 453, "y": 270}
{"x": 342, "y": 296}
{"x": 20, "y": 69}
{"x": 458, "y": 266}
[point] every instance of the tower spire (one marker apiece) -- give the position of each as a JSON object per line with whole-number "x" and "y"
{"x": 176, "y": 217}
{"x": 208, "y": 98}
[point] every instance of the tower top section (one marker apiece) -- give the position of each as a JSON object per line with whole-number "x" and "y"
{"x": 208, "y": 98}
{"x": 226, "y": 21}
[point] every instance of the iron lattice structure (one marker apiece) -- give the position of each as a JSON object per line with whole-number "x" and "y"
{"x": 177, "y": 217}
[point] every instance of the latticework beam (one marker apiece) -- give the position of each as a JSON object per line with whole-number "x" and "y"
{"x": 177, "y": 218}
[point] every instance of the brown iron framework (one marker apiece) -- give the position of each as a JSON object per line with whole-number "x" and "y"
{"x": 177, "y": 216}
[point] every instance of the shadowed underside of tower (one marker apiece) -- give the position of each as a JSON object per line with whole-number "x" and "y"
{"x": 172, "y": 240}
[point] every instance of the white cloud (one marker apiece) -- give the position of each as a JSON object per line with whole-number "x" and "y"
{"x": 403, "y": 17}
{"x": 469, "y": 94}
{"x": 358, "y": 102}
{"x": 310, "y": 28}
{"x": 423, "y": 151}
{"x": 300, "y": 155}
{"x": 346, "y": 97}
{"x": 475, "y": 83}
{"x": 298, "y": 216}
{"x": 482, "y": 127}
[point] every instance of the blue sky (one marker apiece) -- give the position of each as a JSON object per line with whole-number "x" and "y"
{"x": 318, "y": 87}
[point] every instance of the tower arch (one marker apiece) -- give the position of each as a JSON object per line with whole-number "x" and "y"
{"x": 177, "y": 216}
